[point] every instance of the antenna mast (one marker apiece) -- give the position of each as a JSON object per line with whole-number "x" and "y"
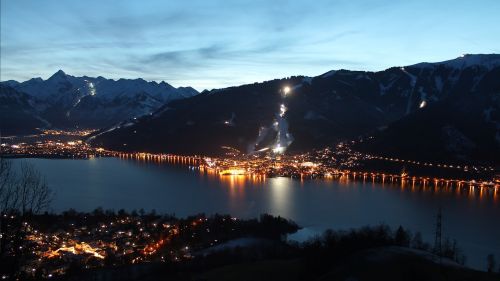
{"x": 438, "y": 237}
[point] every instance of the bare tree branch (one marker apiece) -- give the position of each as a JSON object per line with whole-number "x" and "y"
{"x": 26, "y": 192}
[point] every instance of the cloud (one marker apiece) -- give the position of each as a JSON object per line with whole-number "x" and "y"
{"x": 189, "y": 57}
{"x": 220, "y": 43}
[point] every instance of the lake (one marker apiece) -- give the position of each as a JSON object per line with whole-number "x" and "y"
{"x": 471, "y": 216}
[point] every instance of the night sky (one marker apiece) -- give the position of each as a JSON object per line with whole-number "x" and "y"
{"x": 212, "y": 44}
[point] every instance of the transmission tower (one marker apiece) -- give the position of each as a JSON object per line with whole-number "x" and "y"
{"x": 437, "y": 240}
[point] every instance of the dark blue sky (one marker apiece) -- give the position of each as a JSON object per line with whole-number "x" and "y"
{"x": 210, "y": 44}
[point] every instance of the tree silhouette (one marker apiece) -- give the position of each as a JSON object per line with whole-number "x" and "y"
{"x": 402, "y": 237}
{"x": 491, "y": 263}
{"x": 23, "y": 193}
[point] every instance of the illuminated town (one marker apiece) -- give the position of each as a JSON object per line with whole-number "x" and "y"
{"x": 54, "y": 244}
{"x": 332, "y": 162}
{"x": 327, "y": 164}
{"x": 51, "y": 144}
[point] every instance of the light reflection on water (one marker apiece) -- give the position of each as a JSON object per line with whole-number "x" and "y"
{"x": 470, "y": 214}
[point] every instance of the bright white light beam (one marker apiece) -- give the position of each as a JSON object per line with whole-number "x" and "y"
{"x": 286, "y": 90}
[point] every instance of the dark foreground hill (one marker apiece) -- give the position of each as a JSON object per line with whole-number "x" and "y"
{"x": 386, "y": 263}
{"x": 390, "y": 264}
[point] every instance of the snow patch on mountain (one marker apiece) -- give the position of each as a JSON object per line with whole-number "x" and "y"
{"x": 383, "y": 88}
{"x": 413, "y": 82}
{"x": 329, "y": 74}
{"x": 307, "y": 80}
{"x": 96, "y": 101}
{"x": 489, "y": 61}
{"x": 439, "y": 83}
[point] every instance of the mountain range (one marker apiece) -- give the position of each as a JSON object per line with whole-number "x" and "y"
{"x": 65, "y": 101}
{"x": 446, "y": 110}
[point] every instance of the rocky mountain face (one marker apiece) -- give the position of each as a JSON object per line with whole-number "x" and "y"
{"x": 65, "y": 101}
{"x": 449, "y": 107}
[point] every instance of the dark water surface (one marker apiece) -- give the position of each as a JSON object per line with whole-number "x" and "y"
{"x": 472, "y": 217}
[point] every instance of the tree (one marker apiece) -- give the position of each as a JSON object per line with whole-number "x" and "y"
{"x": 122, "y": 213}
{"x": 32, "y": 191}
{"x": 152, "y": 213}
{"x": 98, "y": 212}
{"x": 402, "y": 237}
{"x": 6, "y": 185}
{"x": 24, "y": 192}
{"x": 491, "y": 262}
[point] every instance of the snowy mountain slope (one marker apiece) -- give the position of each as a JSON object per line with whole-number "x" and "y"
{"x": 69, "y": 101}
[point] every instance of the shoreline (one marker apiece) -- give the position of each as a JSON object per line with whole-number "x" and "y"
{"x": 359, "y": 175}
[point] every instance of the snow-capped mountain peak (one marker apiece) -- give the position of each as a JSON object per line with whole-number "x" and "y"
{"x": 85, "y": 101}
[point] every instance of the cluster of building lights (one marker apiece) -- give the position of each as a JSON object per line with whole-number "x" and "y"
{"x": 52, "y": 143}
{"x": 327, "y": 163}
{"x": 95, "y": 241}
{"x": 49, "y": 148}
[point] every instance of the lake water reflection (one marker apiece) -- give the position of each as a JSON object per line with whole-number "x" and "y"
{"x": 469, "y": 215}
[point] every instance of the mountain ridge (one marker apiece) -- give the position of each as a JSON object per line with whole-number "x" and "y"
{"x": 321, "y": 110}
{"x": 455, "y": 103}
{"x": 68, "y": 101}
